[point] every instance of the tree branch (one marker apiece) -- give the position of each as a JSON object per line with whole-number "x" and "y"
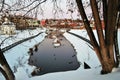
{"x": 87, "y": 24}
{"x": 4, "y": 40}
{"x": 34, "y": 7}
{"x": 3, "y": 1}
{"x": 25, "y": 6}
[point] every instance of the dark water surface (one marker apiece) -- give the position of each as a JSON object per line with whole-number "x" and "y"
{"x": 51, "y": 59}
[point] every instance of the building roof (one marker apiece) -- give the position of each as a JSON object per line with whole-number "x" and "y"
{"x": 8, "y": 23}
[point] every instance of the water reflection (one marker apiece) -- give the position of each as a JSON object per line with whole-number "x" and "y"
{"x": 49, "y": 58}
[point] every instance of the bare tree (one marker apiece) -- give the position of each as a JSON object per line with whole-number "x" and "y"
{"x": 105, "y": 47}
{"x": 6, "y": 68}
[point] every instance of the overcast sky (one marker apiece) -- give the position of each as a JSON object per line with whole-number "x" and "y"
{"x": 48, "y": 9}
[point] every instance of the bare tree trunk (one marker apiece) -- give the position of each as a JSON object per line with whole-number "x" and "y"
{"x": 6, "y": 67}
{"x": 111, "y": 23}
{"x": 89, "y": 30}
{"x": 106, "y": 66}
{"x": 110, "y": 15}
{"x": 105, "y": 49}
{"x": 116, "y": 41}
{"x": 4, "y": 73}
{"x": 105, "y": 14}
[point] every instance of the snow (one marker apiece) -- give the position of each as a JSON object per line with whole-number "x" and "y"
{"x": 84, "y": 53}
{"x": 18, "y": 36}
{"x": 18, "y": 56}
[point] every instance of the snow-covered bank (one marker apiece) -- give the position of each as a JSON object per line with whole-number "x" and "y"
{"x": 18, "y": 56}
{"x": 84, "y": 52}
{"x": 84, "y": 34}
{"x": 18, "y": 36}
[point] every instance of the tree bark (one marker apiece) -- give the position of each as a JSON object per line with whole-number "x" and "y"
{"x": 6, "y": 67}
{"x": 111, "y": 17}
{"x": 116, "y": 41}
{"x": 4, "y": 73}
{"x": 106, "y": 68}
{"x": 105, "y": 14}
{"x": 89, "y": 30}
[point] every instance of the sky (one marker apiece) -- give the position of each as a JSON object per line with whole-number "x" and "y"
{"x": 48, "y": 8}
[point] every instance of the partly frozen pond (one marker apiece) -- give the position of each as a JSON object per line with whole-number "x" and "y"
{"x": 54, "y": 59}
{"x": 18, "y": 56}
